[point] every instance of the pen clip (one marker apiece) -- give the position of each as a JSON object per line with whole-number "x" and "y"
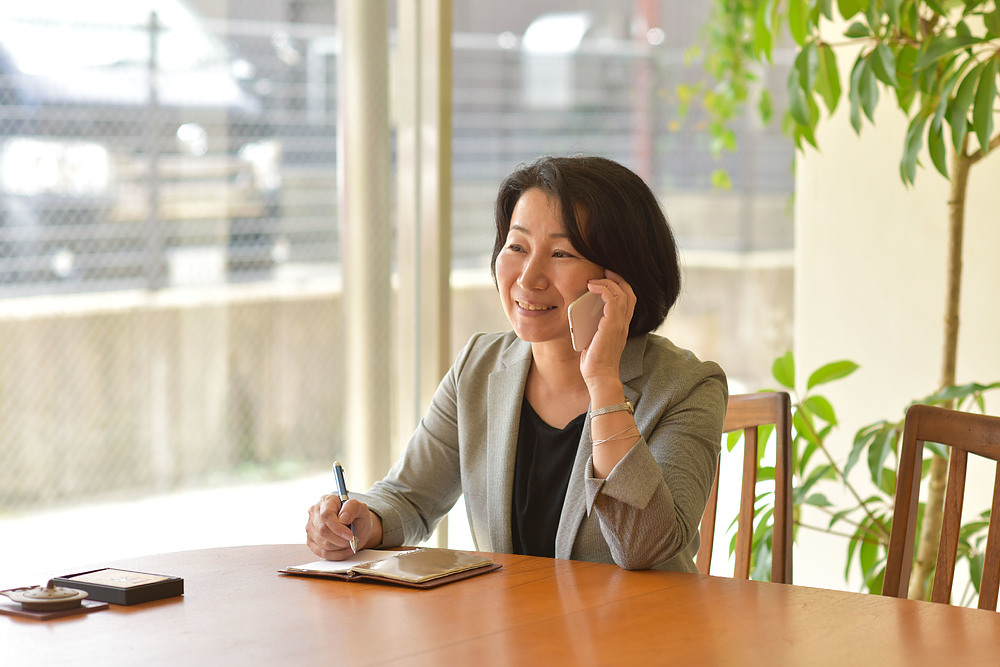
{"x": 341, "y": 484}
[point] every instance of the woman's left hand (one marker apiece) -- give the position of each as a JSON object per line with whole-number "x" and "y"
{"x": 600, "y": 360}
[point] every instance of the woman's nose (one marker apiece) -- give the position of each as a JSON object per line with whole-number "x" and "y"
{"x": 533, "y": 274}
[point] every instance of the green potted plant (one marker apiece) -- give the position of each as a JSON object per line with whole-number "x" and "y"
{"x": 937, "y": 61}
{"x": 864, "y": 519}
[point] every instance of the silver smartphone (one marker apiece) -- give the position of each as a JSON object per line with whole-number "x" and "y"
{"x": 584, "y": 315}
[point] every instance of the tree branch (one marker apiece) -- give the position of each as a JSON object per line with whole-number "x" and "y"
{"x": 880, "y": 535}
{"x": 843, "y": 478}
{"x": 979, "y": 155}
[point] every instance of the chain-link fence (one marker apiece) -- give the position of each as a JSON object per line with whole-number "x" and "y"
{"x": 169, "y": 259}
{"x": 168, "y": 255}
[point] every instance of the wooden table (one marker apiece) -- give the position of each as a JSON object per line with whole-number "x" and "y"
{"x": 237, "y": 610}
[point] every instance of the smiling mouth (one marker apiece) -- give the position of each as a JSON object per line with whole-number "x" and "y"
{"x": 532, "y": 307}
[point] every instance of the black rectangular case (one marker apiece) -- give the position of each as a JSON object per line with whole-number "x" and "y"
{"x": 123, "y": 587}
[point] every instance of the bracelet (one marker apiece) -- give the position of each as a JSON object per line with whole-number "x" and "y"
{"x": 617, "y": 407}
{"x": 601, "y": 442}
{"x": 620, "y": 435}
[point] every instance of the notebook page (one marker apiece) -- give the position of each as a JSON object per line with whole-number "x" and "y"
{"x": 363, "y": 556}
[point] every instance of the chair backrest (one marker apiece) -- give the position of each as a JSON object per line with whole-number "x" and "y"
{"x": 965, "y": 433}
{"x": 746, "y": 412}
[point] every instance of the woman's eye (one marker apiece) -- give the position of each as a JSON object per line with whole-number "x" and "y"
{"x": 562, "y": 253}
{"x": 515, "y": 247}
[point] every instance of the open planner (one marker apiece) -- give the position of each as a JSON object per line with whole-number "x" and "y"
{"x": 420, "y": 568}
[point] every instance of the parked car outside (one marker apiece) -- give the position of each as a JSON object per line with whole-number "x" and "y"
{"x": 133, "y": 150}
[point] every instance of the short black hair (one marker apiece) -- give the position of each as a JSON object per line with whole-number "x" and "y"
{"x": 624, "y": 229}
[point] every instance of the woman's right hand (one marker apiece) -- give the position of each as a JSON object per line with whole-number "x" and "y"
{"x": 328, "y": 531}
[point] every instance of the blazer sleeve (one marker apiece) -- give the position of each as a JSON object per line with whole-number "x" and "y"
{"x": 651, "y": 503}
{"x": 425, "y": 482}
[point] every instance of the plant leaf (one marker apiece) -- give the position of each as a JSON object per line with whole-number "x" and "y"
{"x": 783, "y": 370}
{"x": 935, "y": 133}
{"x": 826, "y": 7}
{"x": 798, "y": 20}
{"x": 959, "y": 111}
{"x": 804, "y": 428}
{"x": 914, "y": 142}
{"x": 887, "y": 483}
{"x": 982, "y": 112}
{"x": 976, "y": 564}
{"x": 798, "y": 104}
{"x": 868, "y": 558}
{"x": 945, "y": 92}
{"x": 732, "y": 438}
{"x": 821, "y": 407}
{"x": 807, "y": 64}
{"x": 911, "y": 19}
{"x": 936, "y": 146}
{"x": 763, "y": 435}
{"x": 828, "y": 77}
{"x": 803, "y": 460}
{"x": 857, "y": 30}
{"x": 879, "y": 451}
{"x": 765, "y": 106}
{"x": 868, "y": 88}
{"x": 939, "y": 48}
{"x": 849, "y": 8}
{"x": 818, "y": 500}
{"x": 907, "y": 89}
{"x": 958, "y": 392}
{"x": 830, "y": 372}
{"x": 840, "y": 516}
{"x": 992, "y": 21}
{"x": 884, "y": 65}
{"x": 892, "y": 10}
{"x": 873, "y": 14}
{"x": 818, "y": 473}
{"x": 852, "y": 546}
{"x": 854, "y": 93}
{"x": 763, "y": 39}
{"x": 862, "y": 439}
{"x": 936, "y": 6}
{"x": 720, "y": 179}
{"x": 972, "y": 527}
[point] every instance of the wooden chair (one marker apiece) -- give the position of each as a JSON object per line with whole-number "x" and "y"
{"x": 746, "y": 412}
{"x": 965, "y": 433}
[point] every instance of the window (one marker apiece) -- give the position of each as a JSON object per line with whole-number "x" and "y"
{"x": 171, "y": 311}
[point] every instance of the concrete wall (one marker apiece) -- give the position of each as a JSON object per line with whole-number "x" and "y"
{"x": 131, "y": 392}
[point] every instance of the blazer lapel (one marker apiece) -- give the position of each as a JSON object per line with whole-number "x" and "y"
{"x": 505, "y": 392}
{"x": 575, "y": 505}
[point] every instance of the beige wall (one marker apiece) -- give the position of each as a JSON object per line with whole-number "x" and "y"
{"x": 870, "y": 281}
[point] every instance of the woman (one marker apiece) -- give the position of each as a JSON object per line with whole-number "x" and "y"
{"x": 604, "y": 455}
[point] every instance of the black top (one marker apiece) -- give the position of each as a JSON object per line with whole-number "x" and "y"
{"x": 544, "y": 462}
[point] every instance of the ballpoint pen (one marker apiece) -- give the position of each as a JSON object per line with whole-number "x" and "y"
{"x": 342, "y": 492}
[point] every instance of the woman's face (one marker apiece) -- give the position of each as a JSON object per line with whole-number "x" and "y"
{"x": 539, "y": 272}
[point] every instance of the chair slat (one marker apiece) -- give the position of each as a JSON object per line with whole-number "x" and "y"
{"x": 783, "y": 537}
{"x": 744, "y": 530}
{"x": 990, "y": 584}
{"x": 951, "y": 525}
{"x": 747, "y": 412}
{"x": 707, "y": 530}
{"x": 964, "y": 433}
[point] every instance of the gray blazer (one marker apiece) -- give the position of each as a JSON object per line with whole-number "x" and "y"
{"x": 644, "y": 515}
